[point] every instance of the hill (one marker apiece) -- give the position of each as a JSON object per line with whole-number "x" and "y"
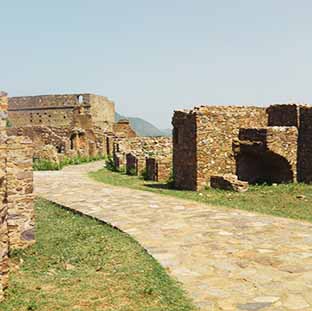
{"x": 143, "y": 127}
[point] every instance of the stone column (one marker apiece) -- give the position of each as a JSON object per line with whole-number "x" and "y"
{"x": 20, "y": 195}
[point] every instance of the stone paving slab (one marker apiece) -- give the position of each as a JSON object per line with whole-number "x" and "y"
{"x": 226, "y": 259}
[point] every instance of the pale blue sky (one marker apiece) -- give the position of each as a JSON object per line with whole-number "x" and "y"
{"x": 152, "y": 57}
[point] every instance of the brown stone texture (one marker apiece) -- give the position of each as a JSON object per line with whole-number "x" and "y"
{"x": 267, "y": 155}
{"x": 58, "y": 110}
{"x": 4, "y": 238}
{"x": 228, "y": 182}
{"x": 138, "y": 149}
{"x": 20, "y": 192}
{"x": 48, "y": 153}
{"x": 203, "y": 140}
{"x": 16, "y": 194}
{"x": 158, "y": 169}
{"x": 123, "y": 129}
{"x": 74, "y": 124}
{"x": 184, "y": 149}
{"x": 3, "y": 108}
{"x": 305, "y": 145}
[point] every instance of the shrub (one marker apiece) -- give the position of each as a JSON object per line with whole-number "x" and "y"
{"x": 110, "y": 164}
{"x": 46, "y": 165}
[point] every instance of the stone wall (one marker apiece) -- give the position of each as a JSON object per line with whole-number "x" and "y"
{"x": 158, "y": 169}
{"x": 123, "y": 129}
{"x": 4, "y": 241}
{"x": 203, "y": 140}
{"x": 16, "y": 194}
{"x": 58, "y": 110}
{"x": 144, "y": 147}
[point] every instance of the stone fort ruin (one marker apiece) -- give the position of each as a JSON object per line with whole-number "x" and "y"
{"x": 259, "y": 145}
{"x": 74, "y": 124}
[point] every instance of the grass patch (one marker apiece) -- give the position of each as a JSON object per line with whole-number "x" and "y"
{"x": 45, "y": 165}
{"x": 79, "y": 263}
{"x": 285, "y": 200}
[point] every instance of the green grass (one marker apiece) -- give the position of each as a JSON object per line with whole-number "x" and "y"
{"x": 79, "y": 263}
{"x": 45, "y": 165}
{"x": 285, "y": 200}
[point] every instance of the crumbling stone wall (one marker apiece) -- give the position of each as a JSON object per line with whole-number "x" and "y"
{"x": 58, "y": 110}
{"x": 123, "y": 129}
{"x": 300, "y": 116}
{"x": 267, "y": 155}
{"x": 158, "y": 169}
{"x": 4, "y": 238}
{"x": 74, "y": 124}
{"x": 140, "y": 148}
{"x": 16, "y": 195}
{"x": 203, "y": 140}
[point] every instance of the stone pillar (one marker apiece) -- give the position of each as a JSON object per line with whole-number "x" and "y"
{"x": 4, "y": 239}
{"x": 20, "y": 195}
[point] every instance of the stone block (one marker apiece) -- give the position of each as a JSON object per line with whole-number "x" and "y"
{"x": 228, "y": 182}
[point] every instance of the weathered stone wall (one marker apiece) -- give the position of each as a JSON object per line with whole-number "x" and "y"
{"x": 16, "y": 194}
{"x": 305, "y": 145}
{"x": 267, "y": 155}
{"x": 123, "y": 129}
{"x": 158, "y": 169}
{"x": 4, "y": 238}
{"x": 20, "y": 192}
{"x": 283, "y": 115}
{"x": 203, "y": 140}
{"x": 58, "y": 110}
{"x": 216, "y": 128}
{"x": 141, "y": 148}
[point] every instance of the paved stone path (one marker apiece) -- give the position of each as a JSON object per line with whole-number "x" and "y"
{"x": 226, "y": 259}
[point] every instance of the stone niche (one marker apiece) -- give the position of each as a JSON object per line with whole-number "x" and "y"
{"x": 267, "y": 155}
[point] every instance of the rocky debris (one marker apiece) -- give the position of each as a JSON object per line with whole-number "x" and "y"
{"x": 228, "y": 182}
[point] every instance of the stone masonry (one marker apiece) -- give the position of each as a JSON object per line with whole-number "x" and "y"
{"x": 202, "y": 142}
{"x": 16, "y": 194}
{"x": 74, "y": 124}
{"x": 257, "y": 144}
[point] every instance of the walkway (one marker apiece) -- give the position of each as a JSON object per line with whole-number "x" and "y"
{"x": 226, "y": 259}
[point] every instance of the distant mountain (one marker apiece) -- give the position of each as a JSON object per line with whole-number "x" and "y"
{"x": 144, "y": 128}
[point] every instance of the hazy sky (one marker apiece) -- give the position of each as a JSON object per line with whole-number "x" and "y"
{"x": 152, "y": 57}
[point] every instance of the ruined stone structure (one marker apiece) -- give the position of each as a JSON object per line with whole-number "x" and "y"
{"x": 58, "y": 110}
{"x": 131, "y": 154}
{"x": 16, "y": 194}
{"x": 74, "y": 124}
{"x": 123, "y": 129}
{"x": 257, "y": 144}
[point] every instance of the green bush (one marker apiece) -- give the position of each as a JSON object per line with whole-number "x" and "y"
{"x": 45, "y": 165}
{"x": 144, "y": 174}
{"x": 132, "y": 172}
{"x": 110, "y": 164}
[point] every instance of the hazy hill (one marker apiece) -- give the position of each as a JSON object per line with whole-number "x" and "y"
{"x": 144, "y": 128}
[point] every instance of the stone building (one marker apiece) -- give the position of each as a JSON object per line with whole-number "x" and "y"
{"x": 16, "y": 194}
{"x": 74, "y": 124}
{"x": 257, "y": 144}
